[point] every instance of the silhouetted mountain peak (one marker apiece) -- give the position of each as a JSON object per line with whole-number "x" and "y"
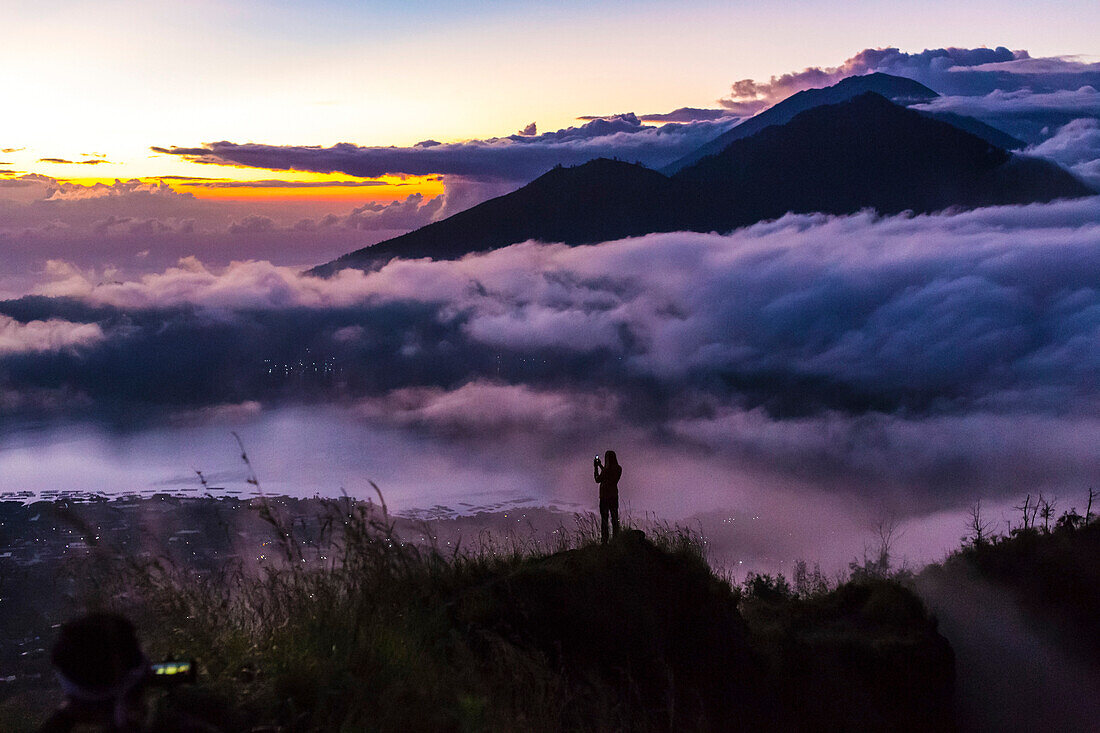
{"x": 598, "y": 171}
{"x": 864, "y": 123}
{"x": 862, "y": 152}
{"x": 592, "y": 202}
{"x": 897, "y": 88}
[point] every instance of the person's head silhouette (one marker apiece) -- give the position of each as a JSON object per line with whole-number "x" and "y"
{"x": 101, "y": 669}
{"x": 609, "y": 458}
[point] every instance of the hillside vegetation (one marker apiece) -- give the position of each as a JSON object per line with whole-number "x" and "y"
{"x": 368, "y": 632}
{"x": 1054, "y": 574}
{"x": 1021, "y": 611}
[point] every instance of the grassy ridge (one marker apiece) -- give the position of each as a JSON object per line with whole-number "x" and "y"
{"x": 365, "y": 631}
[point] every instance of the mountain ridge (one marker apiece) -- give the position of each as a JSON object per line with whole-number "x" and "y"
{"x": 864, "y": 152}
{"x": 898, "y": 89}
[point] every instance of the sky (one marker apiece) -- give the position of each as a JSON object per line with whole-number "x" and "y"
{"x": 168, "y": 170}
{"x": 116, "y": 78}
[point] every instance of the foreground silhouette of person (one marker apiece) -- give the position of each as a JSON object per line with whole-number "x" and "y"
{"x": 104, "y": 675}
{"x": 102, "y": 671}
{"x": 607, "y": 475}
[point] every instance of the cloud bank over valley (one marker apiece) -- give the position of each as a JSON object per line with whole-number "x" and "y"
{"x": 910, "y": 362}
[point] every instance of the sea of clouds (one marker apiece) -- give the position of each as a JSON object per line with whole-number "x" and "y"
{"x": 923, "y": 361}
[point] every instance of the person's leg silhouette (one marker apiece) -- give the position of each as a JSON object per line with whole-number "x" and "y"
{"x": 605, "y": 509}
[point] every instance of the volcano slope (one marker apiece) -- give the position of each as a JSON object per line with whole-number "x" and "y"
{"x": 863, "y": 153}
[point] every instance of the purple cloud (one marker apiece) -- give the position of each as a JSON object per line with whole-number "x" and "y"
{"x": 687, "y": 114}
{"x": 271, "y": 183}
{"x": 921, "y": 360}
{"x": 75, "y": 191}
{"x": 1009, "y": 89}
{"x": 1077, "y": 147}
{"x": 412, "y": 212}
{"x": 933, "y": 67}
{"x": 93, "y": 161}
{"x": 1084, "y": 100}
{"x": 516, "y": 158}
{"x": 49, "y": 335}
{"x": 252, "y": 225}
{"x": 138, "y": 226}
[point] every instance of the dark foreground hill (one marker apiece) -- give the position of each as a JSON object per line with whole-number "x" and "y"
{"x": 865, "y": 152}
{"x": 374, "y": 634}
{"x": 1023, "y": 613}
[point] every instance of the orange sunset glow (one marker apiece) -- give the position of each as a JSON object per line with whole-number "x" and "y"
{"x": 287, "y": 186}
{"x": 317, "y": 187}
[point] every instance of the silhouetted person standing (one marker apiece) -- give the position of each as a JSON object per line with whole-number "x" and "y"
{"x": 607, "y": 475}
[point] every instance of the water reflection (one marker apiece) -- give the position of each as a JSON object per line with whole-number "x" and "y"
{"x": 297, "y": 452}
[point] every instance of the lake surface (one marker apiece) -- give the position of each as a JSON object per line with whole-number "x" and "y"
{"x": 752, "y": 520}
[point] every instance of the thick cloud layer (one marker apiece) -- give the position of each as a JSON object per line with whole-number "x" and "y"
{"x": 1076, "y": 146}
{"x": 814, "y": 295}
{"x": 918, "y": 357}
{"x": 516, "y": 158}
{"x": 132, "y": 226}
{"x": 1030, "y": 116}
{"x": 50, "y": 335}
{"x": 912, "y": 362}
{"x": 1084, "y": 100}
{"x": 681, "y": 114}
{"x": 949, "y": 71}
{"x": 1026, "y": 97}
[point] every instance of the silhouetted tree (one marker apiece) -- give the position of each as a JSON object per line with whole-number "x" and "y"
{"x": 878, "y": 563}
{"x": 809, "y": 583}
{"x": 1024, "y": 509}
{"x": 1070, "y": 520}
{"x": 978, "y": 530}
{"x": 889, "y": 532}
{"x": 764, "y": 587}
{"x": 1046, "y": 511}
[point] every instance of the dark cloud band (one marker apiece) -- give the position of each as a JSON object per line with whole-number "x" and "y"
{"x": 518, "y": 157}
